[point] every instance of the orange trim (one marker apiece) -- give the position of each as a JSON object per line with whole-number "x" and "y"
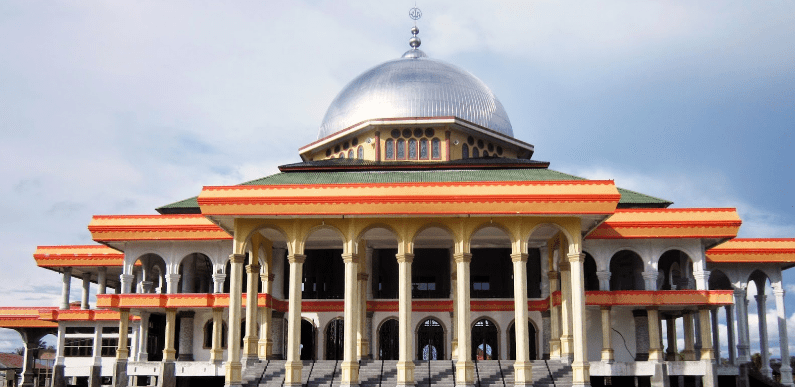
{"x": 754, "y": 250}
{"x": 659, "y": 297}
{"x": 111, "y": 228}
{"x": 669, "y": 223}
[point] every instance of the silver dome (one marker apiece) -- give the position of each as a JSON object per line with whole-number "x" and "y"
{"x": 415, "y": 86}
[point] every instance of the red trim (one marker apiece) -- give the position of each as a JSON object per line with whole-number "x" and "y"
{"x": 410, "y": 184}
{"x": 758, "y": 240}
{"x": 672, "y": 224}
{"x": 674, "y": 210}
{"x": 396, "y": 199}
{"x": 377, "y": 145}
{"x": 148, "y": 228}
{"x": 185, "y": 216}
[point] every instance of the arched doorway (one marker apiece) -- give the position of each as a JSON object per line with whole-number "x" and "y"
{"x": 430, "y": 340}
{"x": 388, "y": 340}
{"x": 485, "y": 339}
{"x": 531, "y": 332}
{"x": 307, "y": 347}
{"x": 626, "y": 271}
{"x": 335, "y": 339}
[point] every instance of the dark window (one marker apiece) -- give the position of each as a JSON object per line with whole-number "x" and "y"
{"x": 360, "y": 152}
{"x": 323, "y": 275}
{"x": 465, "y": 151}
{"x": 355, "y": 141}
{"x": 471, "y": 140}
{"x": 328, "y": 152}
{"x": 491, "y": 147}
{"x": 480, "y": 143}
{"x": 336, "y": 148}
{"x": 484, "y": 340}
{"x": 346, "y": 145}
{"x": 418, "y": 132}
{"x": 436, "y": 152}
{"x": 350, "y": 154}
{"x": 406, "y": 133}
{"x": 413, "y": 149}
{"x": 80, "y": 330}
{"x": 401, "y": 149}
{"x": 389, "y": 344}
{"x": 390, "y": 149}
{"x": 335, "y": 339}
{"x": 429, "y": 132}
{"x": 475, "y": 152}
{"x": 395, "y": 133}
{"x": 342, "y": 155}
{"x": 78, "y": 347}
{"x": 109, "y": 346}
{"x": 424, "y": 149}
{"x": 430, "y": 338}
{"x": 499, "y": 150}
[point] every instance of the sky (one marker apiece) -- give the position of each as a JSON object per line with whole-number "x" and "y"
{"x": 121, "y": 107}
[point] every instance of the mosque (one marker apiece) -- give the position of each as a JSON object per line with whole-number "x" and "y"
{"x": 417, "y": 242}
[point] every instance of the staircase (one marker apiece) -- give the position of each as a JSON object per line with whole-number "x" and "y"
{"x": 383, "y": 373}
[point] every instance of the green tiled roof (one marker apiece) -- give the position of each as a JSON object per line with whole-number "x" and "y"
{"x": 628, "y": 198}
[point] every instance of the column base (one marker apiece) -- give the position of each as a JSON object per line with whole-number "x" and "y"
{"x": 708, "y": 354}
{"x": 464, "y": 373}
{"x": 660, "y": 377}
{"x": 168, "y": 375}
{"x": 234, "y": 373}
{"x": 688, "y": 355}
{"x": 185, "y": 357}
{"x": 95, "y": 379}
{"x": 120, "y": 373}
{"x": 292, "y": 372}
{"x": 264, "y": 348}
{"x": 350, "y": 373}
{"x": 216, "y": 356}
{"x": 786, "y": 375}
{"x": 523, "y": 373}
{"x": 608, "y": 355}
{"x": 58, "y": 378}
{"x": 405, "y": 373}
{"x": 580, "y": 374}
{"x": 656, "y": 355}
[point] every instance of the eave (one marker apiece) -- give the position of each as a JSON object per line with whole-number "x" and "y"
{"x": 712, "y": 224}
{"x": 754, "y": 250}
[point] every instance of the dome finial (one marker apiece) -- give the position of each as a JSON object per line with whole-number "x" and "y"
{"x": 415, "y": 41}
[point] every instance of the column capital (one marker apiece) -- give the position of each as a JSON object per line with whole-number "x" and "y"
{"x": 219, "y": 277}
{"x": 172, "y": 277}
{"x": 270, "y": 277}
{"x": 102, "y": 269}
{"x": 779, "y": 292}
{"x": 404, "y": 258}
{"x": 702, "y": 275}
{"x": 362, "y": 276}
{"x": 350, "y": 258}
{"x": 465, "y": 257}
{"x": 760, "y": 298}
{"x": 605, "y": 307}
{"x": 564, "y": 266}
{"x": 296, "y": 258}
{"x": 576, "y": 257}
{"x": 553, "y": 275}
{"x": 237, "y": 258}
{"x": 250, "y": 269}
{"x": 519, "y": 257}
{"x": 739, "y": 292}
{"x": 603, "y": 275}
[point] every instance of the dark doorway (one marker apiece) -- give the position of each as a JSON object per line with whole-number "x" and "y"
{"x": 385, "y": 268}
{"x": 156, "y": 337}
{"x": 531, "y": 332}
{"x": 430, "y": 340}
{"x": 430, "y": 273}
{"x": 388, "y": 340}
{"x": 307, "y": 347}
{"x": 484, "y": 340}
{"x": 335, "y": 339}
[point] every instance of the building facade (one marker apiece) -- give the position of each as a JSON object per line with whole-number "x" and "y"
{"x": 416, "y": 241}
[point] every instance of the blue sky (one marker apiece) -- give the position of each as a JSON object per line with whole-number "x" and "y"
{"x": 117, "y": 108}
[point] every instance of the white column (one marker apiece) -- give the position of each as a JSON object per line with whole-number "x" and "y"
{"x": 102, "y": 279}
{"x": 464, "y": 367}
{"x": 405, "y": 365}
{"x": 169, "y": 351}
{"x": 172, "y": 283}
{"x": 350, "y": 364}
{"x": 216, "y": 352}
{"x": 86, "y": 287}
{"x": 566, "y": 340}
{"x": 781, "y": 315}
{"x": 67, "y": 284}
{"x": 743, "y": 349}
{"x": 126, "y": 281}
{"x": 650, "y": 279}
{"x": 554, "y": 317}
{"x": 251, "y": 339}
{"x": 293, "y": 364}
{"x": 730, "y": 334}
{"x": 604, "y": 280}
{"x": 523, "y": 367}
{"x": 688, "y": 353}
{"x": 234, "y": 367}
{"x": 715, "y": 334}
{"x": 580, "y": 367}
{"x": 607, "y": 336}
{"x": 764, "y": 350}
{"x": 143, "y": 337}
{"x": 218, "y": 282}
{"x": 454, "y": 297}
